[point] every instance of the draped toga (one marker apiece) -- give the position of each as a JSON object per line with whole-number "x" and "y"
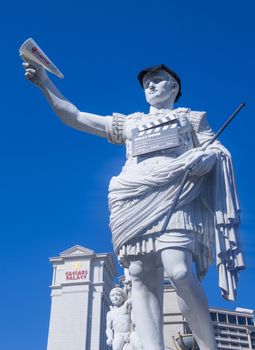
{"x": 207, "y": 213}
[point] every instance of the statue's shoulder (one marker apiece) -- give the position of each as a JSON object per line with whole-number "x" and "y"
{"x": 123, "y": 118}
{"x": 119, "y": 124}
{"x": 196, "y": 118}
{"x": 182, "y": 110}
{"x": 110, "y": 312}
{"x": 135, "y": 116}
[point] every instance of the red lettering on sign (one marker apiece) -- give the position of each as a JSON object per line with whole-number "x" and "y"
{"x": 36, "y": 52}
{"x": 76, "y": 275}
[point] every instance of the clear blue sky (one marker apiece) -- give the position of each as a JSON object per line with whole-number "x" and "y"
{"x": 53, "y": 180}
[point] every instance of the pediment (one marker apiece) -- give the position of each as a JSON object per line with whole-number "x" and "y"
{"x": 77, "y": 250}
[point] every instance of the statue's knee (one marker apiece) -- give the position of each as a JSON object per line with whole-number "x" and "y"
{"x": 180, "y": 275}
{"x": 136, "y": 270}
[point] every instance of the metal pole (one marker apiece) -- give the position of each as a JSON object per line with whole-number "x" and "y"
{"x": 187, "y": 173}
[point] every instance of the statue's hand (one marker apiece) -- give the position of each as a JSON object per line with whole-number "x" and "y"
{"x": 35, "y": 73}
{"x": 109, "y": 341}
{"x": 204, "y": 163}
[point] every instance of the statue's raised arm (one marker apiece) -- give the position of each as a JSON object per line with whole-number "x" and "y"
{"x": 65, "y": 110}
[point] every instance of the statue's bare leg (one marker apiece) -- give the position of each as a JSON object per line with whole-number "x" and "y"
{"x": 118, "y": 342}
{"x": 191, "y": 298}
{"x": 147, "y": 294}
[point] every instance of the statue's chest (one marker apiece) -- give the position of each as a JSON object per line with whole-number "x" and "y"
{"x": 158, "y": 134}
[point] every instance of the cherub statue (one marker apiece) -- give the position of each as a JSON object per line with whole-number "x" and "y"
{"x": 118, "y": 324}
{"x": 135, "y": 343}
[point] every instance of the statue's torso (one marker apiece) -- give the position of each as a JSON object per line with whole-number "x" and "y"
{"x": 144, "y": 164}
{"x": 139, "y": 166}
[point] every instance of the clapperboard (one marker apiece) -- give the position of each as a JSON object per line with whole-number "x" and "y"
{"x": 155, "y": 136}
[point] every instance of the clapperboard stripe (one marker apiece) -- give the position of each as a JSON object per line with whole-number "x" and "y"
{"x": 160, "y": 121}
{"x": 155, "y": 136}
{"x": 158, "y": 129}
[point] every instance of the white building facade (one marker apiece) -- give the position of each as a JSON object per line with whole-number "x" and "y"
{"x": 234, "y": 329}
{"x": 80, "y": 289}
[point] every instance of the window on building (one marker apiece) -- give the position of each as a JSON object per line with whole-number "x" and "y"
{"x": 241, "y": 320}
{"x": 234, "y": 337}
{"x": 224, "y": 336}
{"x": 250, "y": 321}
{"x": 244, "y": 338}
{"x": 222, "y": 318}
{"x": 216, "y": 328}
{"x": 186, "y": 329}
{"x": 233, "y": 331}
{"x": 242, "y": 330}
{"x": 232, "y": 319}
{"x": 225, "y": 343}
{"x": 167, "y": 282}
{"x": 213, "y": 316}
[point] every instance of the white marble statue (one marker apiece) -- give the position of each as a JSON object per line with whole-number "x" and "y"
{"x": 135, "y": 343}
{"x": 120, "y": 329}
{"x": 118, "y": 323}
{"x": 206, "y": 214}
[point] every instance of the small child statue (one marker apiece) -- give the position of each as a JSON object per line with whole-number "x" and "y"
{"x": 119, "y": 325}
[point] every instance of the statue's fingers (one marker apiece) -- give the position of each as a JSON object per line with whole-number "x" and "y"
{"x": 28, "y": 65}
{"x": 32, "y": 71}
{"x": 28, "y": 75}
{"x": 25, "y": 64}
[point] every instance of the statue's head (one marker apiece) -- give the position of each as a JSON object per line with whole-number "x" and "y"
{"x": 160, "y": 84}
{"x": 117, "y": 296}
